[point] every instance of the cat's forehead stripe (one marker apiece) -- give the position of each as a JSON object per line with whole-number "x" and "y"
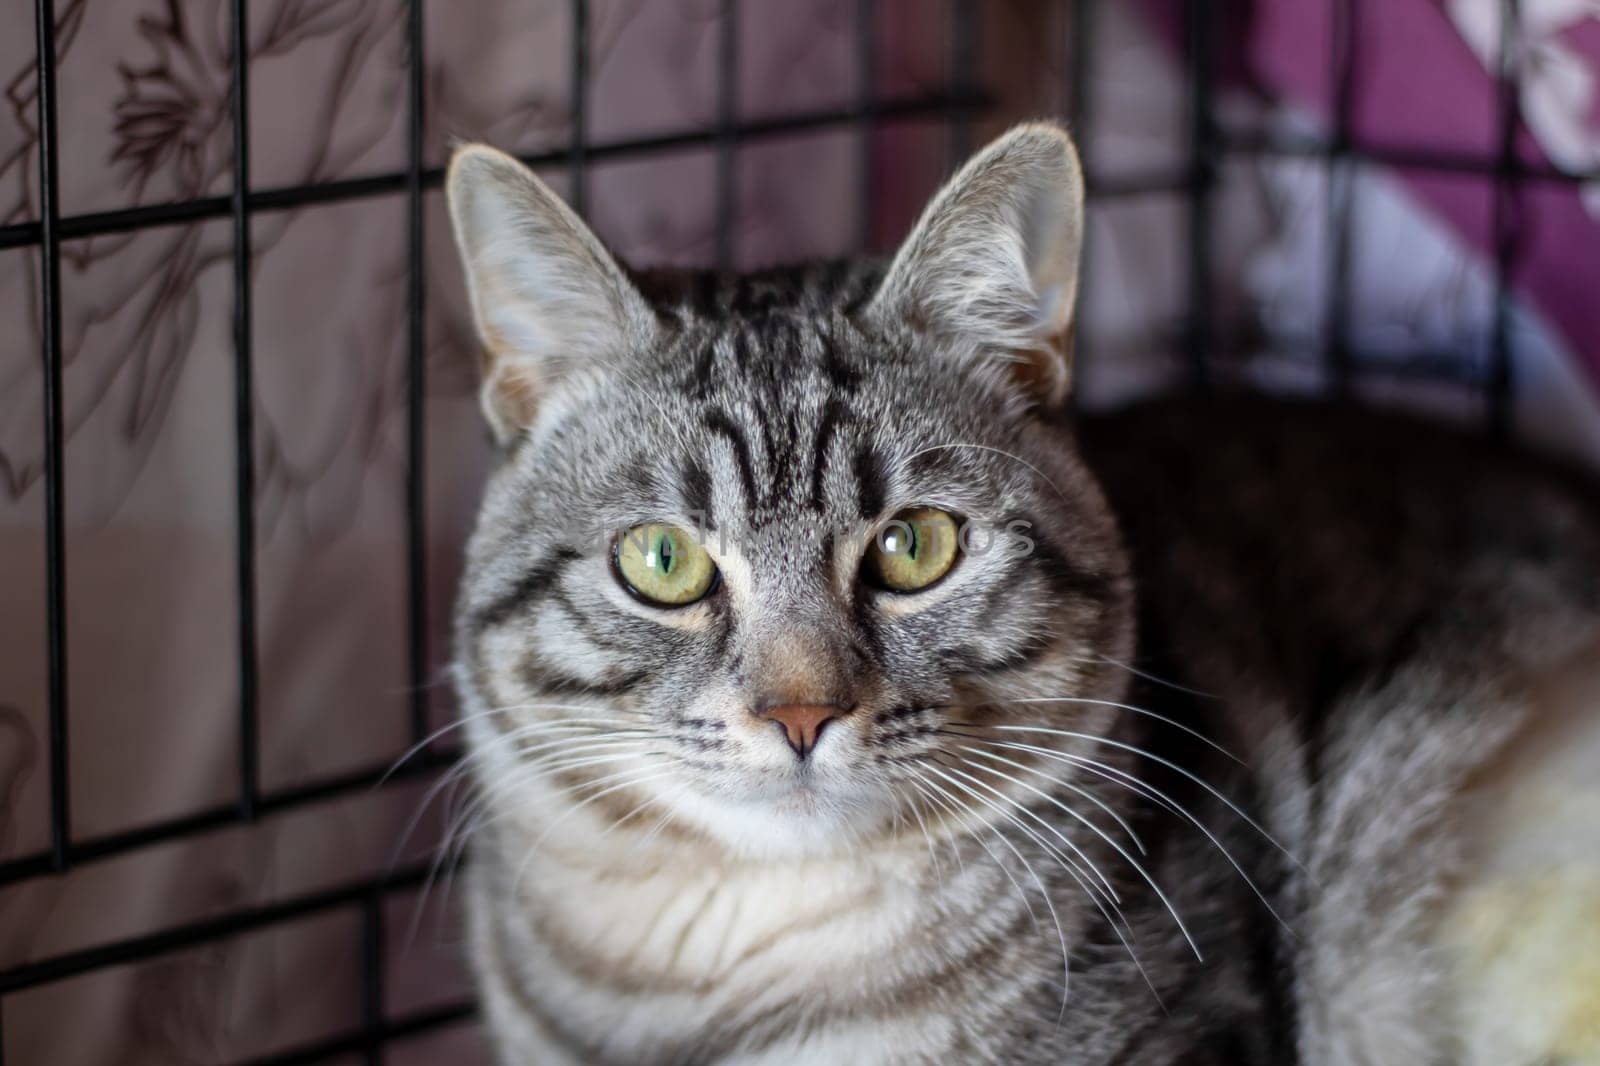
{"x": 718, "y": 422}
{"x": 832, "y": 411}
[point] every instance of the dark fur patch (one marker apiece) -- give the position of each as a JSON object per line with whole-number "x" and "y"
{"x": 697, "y": 493}
{"x": 724, "y": 427}
{"x": 524, "y": 594}
{"x": 546, "y": 678}
{"x": 827, "y": 426}
{"x": 870, "y": 487}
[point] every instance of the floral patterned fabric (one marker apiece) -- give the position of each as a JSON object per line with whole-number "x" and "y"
{"x": 145, "y": 119}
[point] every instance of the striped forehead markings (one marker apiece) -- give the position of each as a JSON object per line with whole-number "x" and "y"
{"x": 870, "y": 486}
{"x": 720, "y": 424}
{"x": 827, "y": 425}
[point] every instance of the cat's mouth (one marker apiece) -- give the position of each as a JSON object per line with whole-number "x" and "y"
{"x": 810, "y": 806}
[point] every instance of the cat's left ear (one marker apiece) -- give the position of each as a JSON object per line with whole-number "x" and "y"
{"x": 992, "y": 267}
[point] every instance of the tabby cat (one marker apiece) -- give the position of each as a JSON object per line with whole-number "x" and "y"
{"x": 834, "y": 695}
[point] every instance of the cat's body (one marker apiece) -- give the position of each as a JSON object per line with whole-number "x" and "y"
{"x": 1016, "y": 836}
{"x": 1383, "y": 609}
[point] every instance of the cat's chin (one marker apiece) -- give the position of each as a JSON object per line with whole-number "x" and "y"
{"x": 799, "y": 819}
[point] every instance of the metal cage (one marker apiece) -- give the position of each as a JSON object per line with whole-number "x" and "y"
{"x": 962, "y": 103}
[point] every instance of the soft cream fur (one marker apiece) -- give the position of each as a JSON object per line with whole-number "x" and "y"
{"x": 1524, "y": 928}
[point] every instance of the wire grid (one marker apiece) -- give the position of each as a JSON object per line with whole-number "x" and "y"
{"x": 958, "y": 105}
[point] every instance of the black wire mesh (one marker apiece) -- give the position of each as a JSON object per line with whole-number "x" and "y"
{"x": 377, "y": 1025}
{"x": 957, "y": 106}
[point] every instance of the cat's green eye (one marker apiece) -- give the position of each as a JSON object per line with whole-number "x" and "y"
{"x": 915, "y": 549}
{"x": 664, "y": 566}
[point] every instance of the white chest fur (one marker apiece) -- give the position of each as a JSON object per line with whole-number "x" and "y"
{"x": 642, "y": 948}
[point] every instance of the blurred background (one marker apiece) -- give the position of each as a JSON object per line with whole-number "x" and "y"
{"x": 239, "y": 440}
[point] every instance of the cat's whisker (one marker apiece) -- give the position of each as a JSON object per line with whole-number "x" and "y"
{"x": 1066, "y": 960}
{"x": 1103, "y": 770}
{"x": 950, "y": 840}
{"x": 1069, "y": 786}
{"x": 473, "y": 816}
{"x": 1155, "y": 679}
{"x": 1130, "y": 708}
{"x": 933, "y": 858}
{"x": 421, "y": 745}
{"x": 660, "y": 823}
{"x": 461, "y": 767}
{"x": 1141, "y": 787}
{"x": 479, "y": 811}
{"x": 1054, "y": 802}
{"x": 895, "y": 821}
{"x": 508, "y": 786}
{"x": 1112, "y": 913}
{"x": 1109, "y": 908}
{"x": 1168, "y": 763}
{"x": 448, "y": 779}
{"x": 1051, "y": 850}
{"x": 613, "y": 782}
{"x": 1102, "y": 882}
{"x": 543, "y": 753}
{"x": 996, "y": 451}
{"x": 462, "y": 721}
{"x": 646, "y": 803}
{"x": 446, "y": 856}
{"x": 568, "y": 765}
{"x": 1114, "y": 900}
{"x": 526, "y": 753}
{"x": 962, "y": 818}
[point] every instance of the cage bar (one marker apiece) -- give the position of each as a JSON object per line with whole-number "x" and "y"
{"x": 1341, "y": 179}
{"x": 416, "y": 382}
{"x": 285, "y": 198}
{"x": 1077, "y": 39}
{"x": 727, "y": 120}
{"x": 1203, "y": 145}
{"x": 578, "y": 109}
{"x": 866, "y": 43}
{"x": 244, "y": 418}
{"x": 232, "y": 923}
{"x": 1444, "y": 160}
{"x": 372, "y": 975}
{"x": 963, "y": 74}
{"x": 1507, "y": 219}
{"x": 1077, "y": 66}
{"x": 55, "y": 518}
{"x": 224, "y": 816}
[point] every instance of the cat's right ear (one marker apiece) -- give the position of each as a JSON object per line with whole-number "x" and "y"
{"x": 546, "y": 295}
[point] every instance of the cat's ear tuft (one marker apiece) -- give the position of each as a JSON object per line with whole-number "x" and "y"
{"x": 992, "y": 266}
{"x": 546, "y": 295}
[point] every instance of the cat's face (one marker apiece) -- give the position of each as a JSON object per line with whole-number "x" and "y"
{"x": 757, "y": 558}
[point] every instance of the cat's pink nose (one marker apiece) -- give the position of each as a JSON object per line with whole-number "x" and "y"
{"x": 802, "y": 722}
